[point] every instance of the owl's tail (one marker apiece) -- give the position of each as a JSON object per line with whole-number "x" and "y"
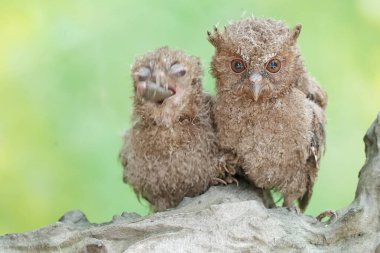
{"x": 303, "y": 202}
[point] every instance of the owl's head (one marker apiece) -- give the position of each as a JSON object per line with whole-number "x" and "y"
{"x": 167, "y": 71}
{"x": 257, "y": 58}
{"x": 165, "y": 81}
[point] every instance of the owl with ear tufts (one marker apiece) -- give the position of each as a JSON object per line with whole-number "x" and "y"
{"x": 268, "y": 109}
{"x": 171, "y": 150}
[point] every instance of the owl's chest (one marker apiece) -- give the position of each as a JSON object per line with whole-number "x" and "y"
{"x": 163, "y": 142}
{"x": 268, "y": 125}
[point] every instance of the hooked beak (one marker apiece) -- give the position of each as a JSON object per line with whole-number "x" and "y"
{"x": 256, "y": 87}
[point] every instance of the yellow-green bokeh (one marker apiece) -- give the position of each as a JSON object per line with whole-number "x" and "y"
{"x": 65, "y": 93}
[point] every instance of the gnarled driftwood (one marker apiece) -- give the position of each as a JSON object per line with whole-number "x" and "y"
{"x": 224, "y": 219}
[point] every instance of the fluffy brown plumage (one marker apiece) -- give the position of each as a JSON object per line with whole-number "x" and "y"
{"x": 268, "y": 110}
{"x": 171, "y": 150}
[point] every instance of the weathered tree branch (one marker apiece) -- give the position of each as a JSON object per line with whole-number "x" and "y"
{"x": 224, "y": 219}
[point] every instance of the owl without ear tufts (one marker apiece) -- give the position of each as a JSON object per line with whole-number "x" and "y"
{"x": 268, "y": 109}
{"x": 171, "y": 150}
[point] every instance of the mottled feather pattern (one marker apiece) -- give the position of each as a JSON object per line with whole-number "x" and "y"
{"x": 266, "y": 122}
{"x": 171, "y": 151}
{"x": 278, "y": 135}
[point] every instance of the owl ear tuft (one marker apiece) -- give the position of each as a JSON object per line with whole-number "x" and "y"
{"x": 214, "y": 37}
{"x": 295, "y": 33}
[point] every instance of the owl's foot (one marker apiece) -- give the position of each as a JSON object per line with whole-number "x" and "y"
{"x": 289, "y": 204}
{"x": 229, "y": 162}
{"x": 230, "y": 170}
{"x": 294, "y": 209}
{"x": 230, "y": 180}
{"x": 217, "y": 181}
{"x": 330, "y": 214}
{"x": 227, "y": 180}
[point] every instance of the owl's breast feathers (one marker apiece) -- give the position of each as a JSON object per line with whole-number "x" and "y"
{"x": 273, "y": 138}
{"x": 179, "y": 160}
{"x": 162, "y": 141}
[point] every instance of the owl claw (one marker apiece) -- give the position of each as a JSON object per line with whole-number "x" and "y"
{"x": 231, "y": 180}
{"x": 294, "y": 209}
{"x": 229, "y": 171}
{"x": 228, "y": 180}
{"x": 216, "y": 181}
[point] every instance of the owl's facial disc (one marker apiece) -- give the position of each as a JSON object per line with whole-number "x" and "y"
{"x": 157, "y": 86}
{"x": 154, "y": 86}
{"x": 256, "y": 84}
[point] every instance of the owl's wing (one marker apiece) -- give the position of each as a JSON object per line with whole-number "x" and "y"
{"x": 313, "y": 91}
{"x": 209, "y": 102}
{"x": 317, "y": 145}
{"x": 123, "y": 155}
{"x": 208, "y": 99}
{"x": 316, "y": 150}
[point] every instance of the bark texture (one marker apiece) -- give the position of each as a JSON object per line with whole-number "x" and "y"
{"x": 224, "y": 219}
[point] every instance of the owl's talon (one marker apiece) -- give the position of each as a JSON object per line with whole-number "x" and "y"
{"x": 294, "y": 209}
{"x": 229, "y": 171}
{"x": 234, "y": 180}
{"x": 231, "y": 180}
{"x": 216, "y": 181}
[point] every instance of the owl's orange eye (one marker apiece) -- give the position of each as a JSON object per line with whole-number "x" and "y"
{"x": 273, "y": 65}
{"x": 237, "y": 65}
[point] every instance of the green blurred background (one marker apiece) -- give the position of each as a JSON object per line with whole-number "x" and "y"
{"x": 65, "y": 93}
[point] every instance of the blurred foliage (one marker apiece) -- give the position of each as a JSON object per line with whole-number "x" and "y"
{"x": 65, "y": 93}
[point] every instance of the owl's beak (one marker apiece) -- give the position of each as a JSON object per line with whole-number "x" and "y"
{"x": 160, "y": 78}
{"x": 256, "y": 87}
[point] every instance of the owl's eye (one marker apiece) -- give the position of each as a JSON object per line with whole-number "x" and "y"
{"x": 237, "y": 65}
{"x": 143, "y": 73}
{"x": 273, "y": 65}
{"x": 177, "y": 69}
